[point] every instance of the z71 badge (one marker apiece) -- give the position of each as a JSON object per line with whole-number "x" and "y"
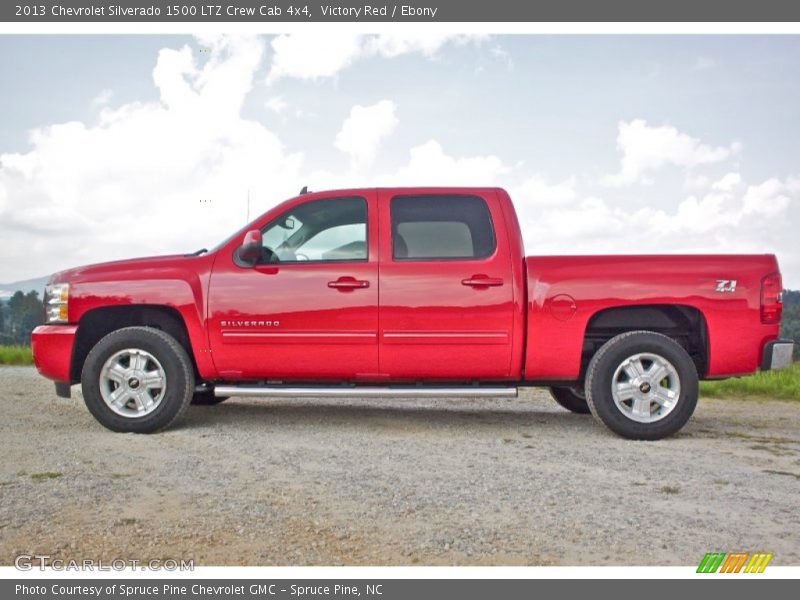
{"x": 726, "y": 285}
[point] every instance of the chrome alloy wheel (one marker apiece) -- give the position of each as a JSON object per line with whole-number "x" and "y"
{"x": 133, "y": 383}
{"x": 646, "y": 387}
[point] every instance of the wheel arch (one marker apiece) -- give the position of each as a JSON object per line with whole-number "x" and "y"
{"x": 683, "y": 323}
{"x": 99, "y": 322}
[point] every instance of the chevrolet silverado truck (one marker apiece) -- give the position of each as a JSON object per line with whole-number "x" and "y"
{"x": 406, "y": 292}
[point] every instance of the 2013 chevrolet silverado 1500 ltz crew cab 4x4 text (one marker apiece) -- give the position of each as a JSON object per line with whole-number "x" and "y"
{"x": 407, "y": 292}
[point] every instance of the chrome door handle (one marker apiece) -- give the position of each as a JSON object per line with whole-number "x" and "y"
{"x": 482, "y": 281}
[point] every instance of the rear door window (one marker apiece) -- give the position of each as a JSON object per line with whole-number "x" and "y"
{"x": 445, "y": 227}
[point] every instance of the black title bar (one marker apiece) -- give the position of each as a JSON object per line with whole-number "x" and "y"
{"x": 265, "y": 11}
{"x": 734, "y": 588}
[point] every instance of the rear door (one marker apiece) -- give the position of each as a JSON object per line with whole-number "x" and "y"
{"x": 309, "y": 309}
{"x": 446, "y": 295}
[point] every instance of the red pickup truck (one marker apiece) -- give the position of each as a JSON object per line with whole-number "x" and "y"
{"x": 407, "y": 292}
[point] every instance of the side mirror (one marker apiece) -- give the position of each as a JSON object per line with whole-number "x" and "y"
{"x": 250, "y": 250}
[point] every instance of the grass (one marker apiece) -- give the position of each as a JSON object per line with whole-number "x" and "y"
{"x": 795, "y": 475}
{"x": 45, "y": 475}
{"x": 16, "y": 355}
{"x": 783, "y": 385}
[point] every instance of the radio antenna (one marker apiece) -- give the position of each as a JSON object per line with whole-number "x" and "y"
{"x": 248, "y": 206}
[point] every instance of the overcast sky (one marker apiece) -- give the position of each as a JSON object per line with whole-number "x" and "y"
{"x": 121, "y": 146}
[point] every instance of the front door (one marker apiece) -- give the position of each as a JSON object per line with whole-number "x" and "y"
{"x": 309, "y": 309}
{"x": 446, "y": 289}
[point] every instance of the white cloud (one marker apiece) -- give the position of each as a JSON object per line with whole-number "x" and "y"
{"x": 132, "y": 184}
{"x": 538, "y": 192}
{"x": 102, "y": 98}
{"x": 363, "y": 131}
{"x": 317, "y": 56}
{"x": 696, "y": 181}
{"x": 646, "y": 149}
{"x": 391, "y": 45}
{"x": 502, "y": 56}
{"x": 429, "y": 165}
{"x": 312, "y": 56}
{"x": 728, "y": 182}
{"x": 712, "y": 211}
{"x": 721, "y": 221}
{"x": 276, "y": 104}
{"x": 770, "y": 198}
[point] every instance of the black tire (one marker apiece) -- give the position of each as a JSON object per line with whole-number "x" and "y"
{"x": 571, "y": 398}
{"x": 207, "y": 398}
{"x": 175, "y": 362}
{"x": 610, "y": 358}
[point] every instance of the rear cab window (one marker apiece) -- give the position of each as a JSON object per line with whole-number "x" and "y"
{"x": 441, "y": 227}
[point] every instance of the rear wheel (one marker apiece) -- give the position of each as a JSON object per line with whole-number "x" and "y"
{"x": 642, "y": 385}
{"x": 572, "y": 398}
{"x": 137, "y": 379}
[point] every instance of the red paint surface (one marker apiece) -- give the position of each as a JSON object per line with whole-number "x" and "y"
{"x": 412, "y": 320}
{"x": 736, "y": 334}
{"x": 52, "y": 350}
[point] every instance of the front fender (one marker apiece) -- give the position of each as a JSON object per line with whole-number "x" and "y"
{"x": 185, "y": 293}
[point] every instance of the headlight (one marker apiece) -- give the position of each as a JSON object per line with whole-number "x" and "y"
{"x": 56, "y": 299}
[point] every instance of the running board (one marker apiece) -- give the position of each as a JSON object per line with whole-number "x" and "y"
{"x": 366, "y": 392}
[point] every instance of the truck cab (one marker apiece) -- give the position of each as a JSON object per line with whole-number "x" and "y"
{"x": 370, "y": 286}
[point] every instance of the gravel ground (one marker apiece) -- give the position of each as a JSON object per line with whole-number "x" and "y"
{"x": 394, "y": 482}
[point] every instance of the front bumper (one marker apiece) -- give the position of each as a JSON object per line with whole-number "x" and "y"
{"x": 777, "y": 355}
{"x": 52, "y": 351}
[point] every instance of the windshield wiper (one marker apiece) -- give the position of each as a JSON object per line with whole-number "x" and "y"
{"x": 197, "y": 253}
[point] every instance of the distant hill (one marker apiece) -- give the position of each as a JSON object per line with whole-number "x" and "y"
{"x": 7, "y": 289}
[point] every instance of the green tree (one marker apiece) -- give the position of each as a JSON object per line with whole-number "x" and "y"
{"x": 790, "y": 327}
{"x": 791, "y": 298}
{"x": 24, "y": 314}
{"x": 790, "y": 323}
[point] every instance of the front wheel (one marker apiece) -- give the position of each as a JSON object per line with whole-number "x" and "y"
{"x": 642, "y": 385}
{"x": 137, "y": 379}
{"x": 572, "y": 398}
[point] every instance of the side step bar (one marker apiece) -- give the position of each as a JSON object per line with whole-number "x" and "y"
{"x": 366, "y": 392}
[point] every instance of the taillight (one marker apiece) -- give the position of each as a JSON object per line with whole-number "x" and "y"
{"x": 771, "y": 299}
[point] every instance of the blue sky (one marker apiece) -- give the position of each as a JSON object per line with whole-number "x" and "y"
{"x": 610, "y": 144}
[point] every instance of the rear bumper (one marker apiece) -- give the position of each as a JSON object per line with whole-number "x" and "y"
{"x": 52, "y": 351}
{"x": 777, "y": 355}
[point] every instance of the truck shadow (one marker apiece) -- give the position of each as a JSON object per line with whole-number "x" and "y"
{"x": 266, "y": 414}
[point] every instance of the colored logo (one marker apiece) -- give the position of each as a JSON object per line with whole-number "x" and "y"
{"x": 735, "y": 562}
